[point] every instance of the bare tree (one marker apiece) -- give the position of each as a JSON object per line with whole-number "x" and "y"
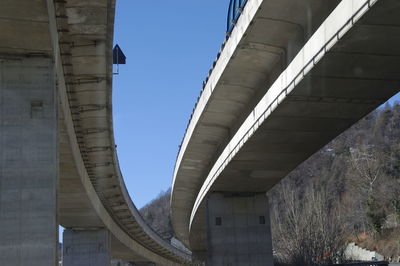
{"x": 369, "y": 170}
{"x": 307, "y": 231}
{"x": 367, "y": 166}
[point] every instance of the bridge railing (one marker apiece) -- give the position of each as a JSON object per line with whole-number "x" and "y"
{"x": 234, "y": 12}
{"x": 362, "y": 263}
{"x": 349, "y": 263}
{"x": 366, "y": 263}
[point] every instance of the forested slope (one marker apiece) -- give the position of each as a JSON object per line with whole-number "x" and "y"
{"x": 157, "y": 214}
{"x": 348, "y": 191}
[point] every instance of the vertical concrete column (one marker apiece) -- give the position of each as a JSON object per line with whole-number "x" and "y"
{"x": 86, "y": 247}
{"x": 28, "y": 162}
{"x": 238, "y": 230}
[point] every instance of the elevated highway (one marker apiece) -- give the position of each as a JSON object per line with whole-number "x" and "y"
{"x": 58, "y": 162}
{"x": 292, "y": 76}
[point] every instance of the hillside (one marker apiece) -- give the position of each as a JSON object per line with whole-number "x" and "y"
{"x": 157, "y": 214}
{"x": 347, "y": 189}
{"x": 353, "y": 183}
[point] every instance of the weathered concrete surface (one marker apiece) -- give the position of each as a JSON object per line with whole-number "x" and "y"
{"x": 24, "y": 28}
{"x": 332, "y": 82}
{"x": 82, "y": 36}
{"x": 239, "y": 230}
{"x": 86, "y": 247}
{"x": 265, "y": 40}
{"x": 78, "y": 37}
{"x": 85, "y": 44}
{"x": 28, "y": 162}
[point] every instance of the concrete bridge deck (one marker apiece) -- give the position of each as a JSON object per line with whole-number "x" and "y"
{"x": 292, "y": 76}
{"x": 75, "y": 38}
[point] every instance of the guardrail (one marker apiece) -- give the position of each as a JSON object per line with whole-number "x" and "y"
{"x": 351, "y": 263}
{"x": 234, "y": 12}
{"x": 362, "y": 263}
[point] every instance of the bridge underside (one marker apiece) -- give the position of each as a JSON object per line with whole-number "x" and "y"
{"x": 64, "y": 170}
{"x": 265, "y": 40}
{"x": 354, "y": 77}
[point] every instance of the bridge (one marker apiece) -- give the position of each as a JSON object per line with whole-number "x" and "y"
{"x": 290, "y": 77}
{"x": 58, "y": 159}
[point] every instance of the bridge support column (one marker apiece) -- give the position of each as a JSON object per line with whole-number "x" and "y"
{"x": 28, "y": 162}
{"x": 238, "y": 230}
{"x": 86, "y": 247}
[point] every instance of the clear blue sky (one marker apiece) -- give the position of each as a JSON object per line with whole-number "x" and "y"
{"x": 170, "y": 46}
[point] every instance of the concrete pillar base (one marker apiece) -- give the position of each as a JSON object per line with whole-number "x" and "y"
{"x": 238, "y": 230}
{"x": 86, "y": 248}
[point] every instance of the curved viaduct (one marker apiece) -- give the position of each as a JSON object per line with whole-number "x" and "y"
{"x": 58, "y": 157}
{"x": 292, "y": 76}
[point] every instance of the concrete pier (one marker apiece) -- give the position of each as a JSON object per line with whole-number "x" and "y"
{"x": 239, "y": 230}
{"x": 86, "y": 247}
{"x": 28, "y": 162}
